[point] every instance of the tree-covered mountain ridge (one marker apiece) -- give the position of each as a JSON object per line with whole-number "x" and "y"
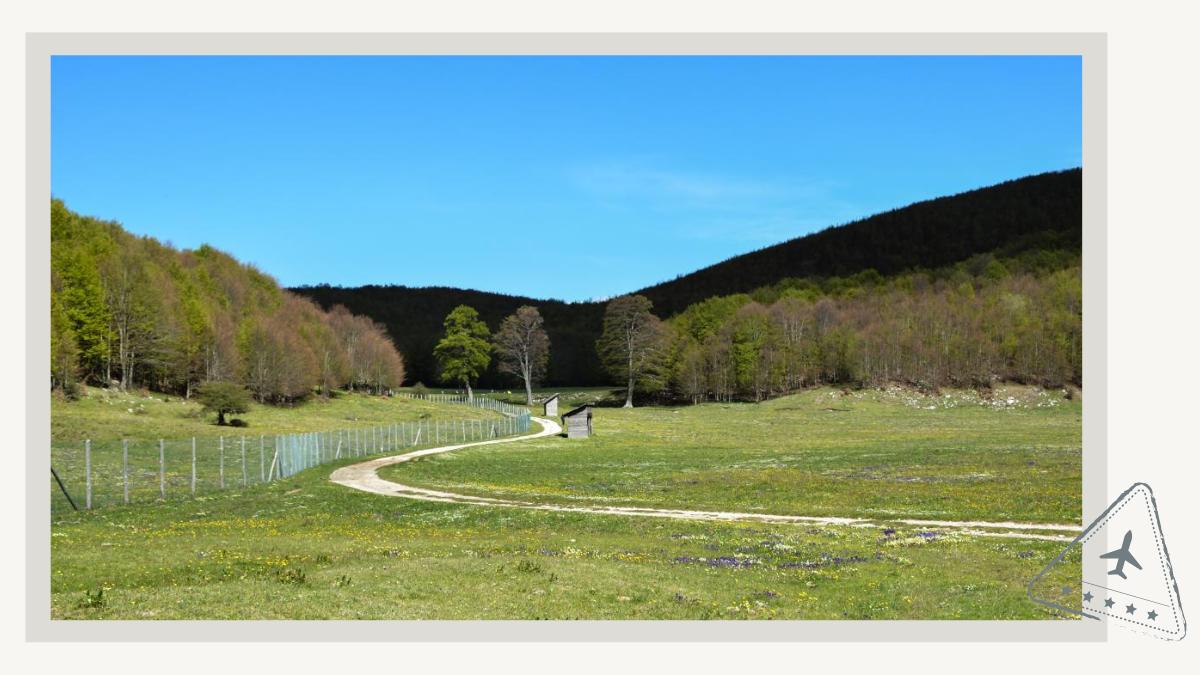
{"x": 1030, "y": 225}
{"x": 133, "y": 312}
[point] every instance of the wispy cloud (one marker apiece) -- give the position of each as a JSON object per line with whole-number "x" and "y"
{"x": 754, "y": 230}
{"x": 719, "y": 207}
{"x": 636, "y": 180}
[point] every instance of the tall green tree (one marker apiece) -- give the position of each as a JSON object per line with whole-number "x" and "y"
{"x": 82, "y": 296}
{"x": 523, "y": 347}
{"x": 633, "y": 345}
{"x": 64, "y": 350}
{"x": 464, "y": 352}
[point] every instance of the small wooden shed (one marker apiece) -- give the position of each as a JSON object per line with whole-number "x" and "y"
{"x": 551, "y": 405}
{"x": 578, "y": 422}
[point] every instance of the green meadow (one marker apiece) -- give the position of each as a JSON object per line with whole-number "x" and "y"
{"x": 304, "y": 548}
{"x": 110, "y": 414}
{"x": 1011, "y": 456}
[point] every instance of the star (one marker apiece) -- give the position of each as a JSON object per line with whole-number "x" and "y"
{"x": 1087, "y": 597}
{"x": 1108, "y": 602}
{"x": 1130, "y": 609}
{"x": 1152, "y": 615}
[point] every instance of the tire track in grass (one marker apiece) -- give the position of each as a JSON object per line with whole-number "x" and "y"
{"x": 365, "y": 476}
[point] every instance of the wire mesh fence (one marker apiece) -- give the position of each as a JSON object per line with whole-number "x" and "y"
{"x": 477, "y": 402}
{"x": 107, "y": 473}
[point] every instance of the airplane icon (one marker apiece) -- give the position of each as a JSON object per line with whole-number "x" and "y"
{"x": 1122, "y": 556}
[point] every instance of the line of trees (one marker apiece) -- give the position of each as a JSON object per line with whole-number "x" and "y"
{"x": 971, "y": 325}
{"x": 961, "y": 331}
{"x": 129, "y": 311}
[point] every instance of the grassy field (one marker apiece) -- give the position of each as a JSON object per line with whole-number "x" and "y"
{"x": 105, "y": 417}
{"x": 110, "y": 414}
{"x": 308, "y": 549}
{"x": 871, "y": 453}
{"x": 305, "y": 548}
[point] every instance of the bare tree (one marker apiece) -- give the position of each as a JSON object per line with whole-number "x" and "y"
{"x": 633, "y": 344}
{"x": 523, "y": 347}
{"x": 127, "y": 293}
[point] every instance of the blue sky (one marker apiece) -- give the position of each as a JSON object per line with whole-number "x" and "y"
{"x": 565, "y": 177}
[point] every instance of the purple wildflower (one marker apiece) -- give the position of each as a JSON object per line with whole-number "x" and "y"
{"x": 729, "y": 561}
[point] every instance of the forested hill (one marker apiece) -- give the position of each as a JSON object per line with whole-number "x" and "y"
{"x": 1036, "y": 213}
{"x": 135, "y": 312}
{"x": 413, "y": 317}
{"x": 1036, "y": 220}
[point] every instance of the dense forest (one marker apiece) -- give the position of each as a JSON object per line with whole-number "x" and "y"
{"x": 129, "y": 311}
{"x": 1029, "y": 227}
{"x": 973, "y": 324}
{"x": 1024, "y": 216}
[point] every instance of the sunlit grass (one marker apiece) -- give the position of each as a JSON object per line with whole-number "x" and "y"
{"x": 823, "y": 452}
{"x": 305, "y": 548}
{"x": 109, "y": 414}
{"x": 308, "y": 549}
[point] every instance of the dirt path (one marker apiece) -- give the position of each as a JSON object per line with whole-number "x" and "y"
{"x": 365, "y": 476}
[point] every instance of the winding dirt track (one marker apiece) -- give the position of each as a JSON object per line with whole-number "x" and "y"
{"x": 365, "y": 476}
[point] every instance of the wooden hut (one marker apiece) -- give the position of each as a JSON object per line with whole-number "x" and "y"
{"x": 578, "y": 422}
{"x": 551, "y": 406}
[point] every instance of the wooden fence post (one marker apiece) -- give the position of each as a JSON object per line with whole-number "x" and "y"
{"x": 125, "y": 466}
{"x": 87, "y": 470}
{"x": 274, "y": 459}
{"x": 162, "y": 471}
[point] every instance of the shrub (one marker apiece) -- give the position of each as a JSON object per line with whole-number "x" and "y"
{"x": 223, "y": 398}
{"x": 529, "y": 567}
{"x": 92, "y": 600}
{"x": 291, "y": 576}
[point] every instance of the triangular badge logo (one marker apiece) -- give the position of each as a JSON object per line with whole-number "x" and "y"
{"x": 1127, "y": 576}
